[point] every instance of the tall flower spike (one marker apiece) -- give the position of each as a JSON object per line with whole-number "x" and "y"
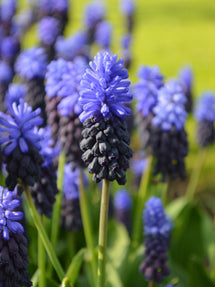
{"x": 104, "y": 92}
{"x": 70, "y": 213}
{"x": 146, "y": 93}
{"x": 122, "y": 208}
{"x": 186, "y": 77}
{"x": 157, "y": 233}
{"x": 205, "y": 116}
{"x": 20, "y": 143}
{"x": 48, "y": 31}
{"x": 6, "y": 76}
{"x": 168, "y": 138}
{"x": 55, "y": 71}
{"x": 44, "y": 191}
{"x": 13, "y": 243}
{"x": 69, "y": 108}
{"x": 31, "y": 66}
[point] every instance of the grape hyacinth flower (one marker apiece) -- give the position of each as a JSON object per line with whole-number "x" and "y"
{"x": 70, "y": 212}
{"x": 20, "y": 144}
{"x": 103, "y": 34}
{"x": 157, "y": 233}
{"x": 168, "y": 138}
{"x": 127, "y": 7}
{"x": 9, "y": 49}
{"x": 31, "y": 66}
{"x": 70, "y": 132}
{"x": 186, "y": 77}
{"x": 122, "y": 208}
{"x": 44, "y": 191}
{"x": 7, "y": 11}
{"x": 48, "y": 31}
{"x": 71, "y": 47}
{"x": 14, "y": 93}
{"x": 94, "y": 14}
{"x": 205, "y": 116}
{"x": 104, "y": 92}
{"x": 13, "y": 243}
{"x": 146, "y": 93}
{"x": 6, "y": 76}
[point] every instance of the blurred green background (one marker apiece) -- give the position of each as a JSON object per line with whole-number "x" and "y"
{"x": 170, "y": 34}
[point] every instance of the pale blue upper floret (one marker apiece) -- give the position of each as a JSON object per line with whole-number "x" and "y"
{"x": 48, "y": 30}
{"x": 205, "y": 108}
{"x": 156, "y": 222}
{"x": 122, "y": 200}
{"x": 94, "y": 13}
{"x": 170, "y": 110}
{"x": 70, "y": 88}
{"x": 105, "y": 89}
{"x": 14, "y": 93}
{"x": 146, "y": 90}
{"x": 8, "y": 217}
{"x": 127, "y": 7}
{"x": 18, "y": 128}
{"x": 103, "y": 34}
{"x": 186, "y": 76}
{"x": 7, "y": 10}
{"x": 51, "y": 6}
{"x": 6, "y": 73}
{"x": 31, "y": 63}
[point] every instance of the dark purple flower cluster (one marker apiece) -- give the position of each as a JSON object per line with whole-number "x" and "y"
{"x": 157, "y": 232}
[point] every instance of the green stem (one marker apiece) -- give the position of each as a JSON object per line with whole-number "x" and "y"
{"x": 141, "y": 198}
{"x": 87, "y": 224}
{"x": 103, "y": 233}
{"x": 35, "y": 277}
{"x": 151, "y": 283}
{"x": 57, "y": 206}
{"x": 195, "y": 174}
{"x": 41, "y": 260}
{"x": 41, "y": 231}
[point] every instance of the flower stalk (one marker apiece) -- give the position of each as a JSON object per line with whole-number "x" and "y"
{"x": 103, "y": 233}
{"x": 41, "y": 260}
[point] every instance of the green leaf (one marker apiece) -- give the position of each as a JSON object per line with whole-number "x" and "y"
{"x": 112, "y": 276}
{"x": 198, "y": 275}
{"x": 176, "y": 207}
{"x": 75, "y": 266}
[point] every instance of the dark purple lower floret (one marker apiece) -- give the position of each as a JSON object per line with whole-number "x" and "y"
{"x": 70, "y": 136}
{"x": 154, "y": 266}
{"x": 169, "y": 148}
{"x": 14, "y": 261}
{"x": 71, "y": 214}
{"x": 23, "y": 166}
{"x": 44, "y": 191}
{"x": 205, "y": 133}
{"x": 35, "y": 96}
{"x": 106, "y": 149}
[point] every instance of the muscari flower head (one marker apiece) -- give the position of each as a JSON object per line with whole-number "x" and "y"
{"x": 146, "y": 90}
{"x": 6, "y": 73}
{"x": 68, "y": 48}
{"x": 127, "y": 7}
{"x": 55, "y": 71}
{"x": 9, "y": 48}
{"x": 18, "y": 128}
{"x": 48, "y": 30}
{"x": 7, "y": 10}
{"x": 157, "y": 232}
{"x": 47, "y": 150}
{"x": 94, "y": 13}
{"x": 126, "y": 41}
{"x": 186, "y": 76}
{"x": 103, "y": 34}
{"x": 50, "y": 6}
{"x": 122, "y": 200}
{"x": 170, "y": 110}
{"x": 70, "y": 90}
{"x": 205, "y": 108}
{"x": 9, "y": 218}
{"x": 71, "y": 182}
{"x": 14, "y": 94}
{"x": 105, "y": 89}
{"x": 31, "y": 63}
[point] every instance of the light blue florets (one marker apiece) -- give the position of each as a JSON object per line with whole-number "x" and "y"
{"x": 18, "y": 128}
{"x": 170, "y": 110}
{"x": 48, "y": 30}
{"x": 31, "y": 63}
{"x": 94, "y": 12}
{"x": 122, "y": 200}
{"x": 156, "y": 222}
{"x": 9, "y": 218}
{"x": 6, "y": 73}
{"x": 146, "y": 90}
{"x": 14, "y": 93}
{"x": 105, "y": 89}
{"x": 205, "y": 109}
{"x": 103, "y": 34}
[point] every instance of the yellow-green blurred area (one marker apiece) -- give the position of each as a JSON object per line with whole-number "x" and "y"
{"x": 170, "y": 34}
